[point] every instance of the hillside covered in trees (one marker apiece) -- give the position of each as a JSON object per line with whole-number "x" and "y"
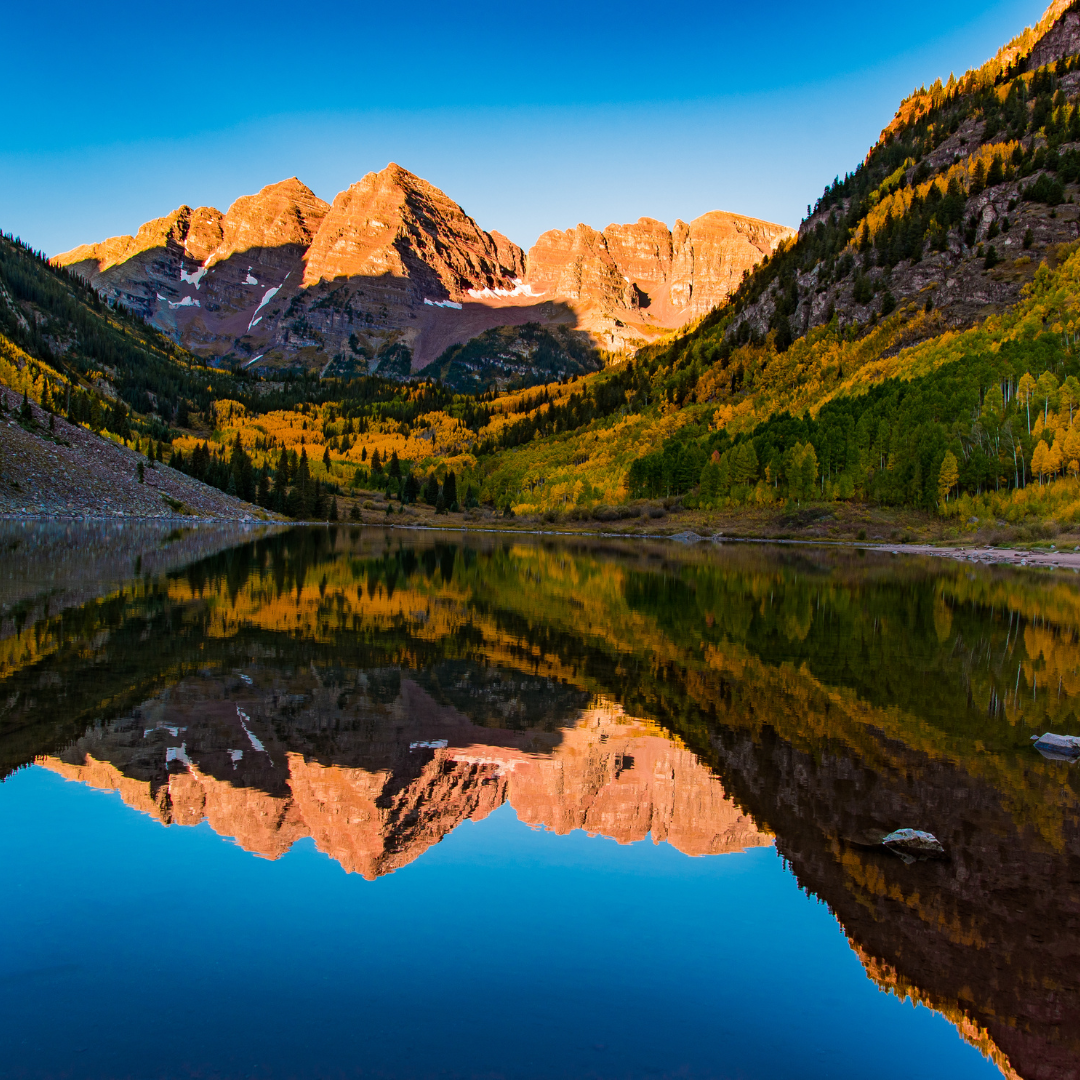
{"x": 914, "y": 347}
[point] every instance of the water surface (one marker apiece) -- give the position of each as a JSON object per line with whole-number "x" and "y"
{"x": 355, "y": 803}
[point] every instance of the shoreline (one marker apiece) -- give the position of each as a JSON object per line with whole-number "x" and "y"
{"x": 984, "y": 554}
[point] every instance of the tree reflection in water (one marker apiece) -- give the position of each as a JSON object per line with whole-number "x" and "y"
{"x": 374, "y": 690}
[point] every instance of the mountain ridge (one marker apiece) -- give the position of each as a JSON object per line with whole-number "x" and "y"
{"x": 395, "y": 270}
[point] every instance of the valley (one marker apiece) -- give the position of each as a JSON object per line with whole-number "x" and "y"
{"x": 909, "y": 353}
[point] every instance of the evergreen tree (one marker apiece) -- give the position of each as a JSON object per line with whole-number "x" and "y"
{"x": 303, "y": 489}
{"x": 281, "y": 480}
{"x": 26, "y": 413}
{"x": 395, "y": 466}
{"x": 412, "y": 488}
{"x": 333, "y": 509}
{"x": 450, "y": 491}
{"x": 326, "y": 457}
{"x": 431, "y": 489}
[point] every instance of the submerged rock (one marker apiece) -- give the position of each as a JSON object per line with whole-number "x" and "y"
{"x": 1057, "y": 747}
{"x": 912, "y": 844}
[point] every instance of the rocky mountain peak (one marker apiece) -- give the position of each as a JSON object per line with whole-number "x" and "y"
{"x": 394, "y": 272}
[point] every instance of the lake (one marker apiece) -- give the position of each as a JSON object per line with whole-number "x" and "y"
{"x": 343, "y": 802}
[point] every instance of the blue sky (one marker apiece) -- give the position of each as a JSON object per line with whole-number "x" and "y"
{"x": 532, "y": 116}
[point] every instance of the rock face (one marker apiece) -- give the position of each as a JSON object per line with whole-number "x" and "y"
{"x": 394, "y": 272}
{"x": 404, "y": 777}
{"x": 629, "y": 283}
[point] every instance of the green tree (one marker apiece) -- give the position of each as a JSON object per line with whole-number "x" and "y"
{"x": 1048, "y": 385}
{"x": 745, "y": 464}
{"x": 304, "y": 494}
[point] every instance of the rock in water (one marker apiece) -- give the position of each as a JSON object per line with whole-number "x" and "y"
{"x": 1057, "y": 747}
{"x": 912, "y": 844}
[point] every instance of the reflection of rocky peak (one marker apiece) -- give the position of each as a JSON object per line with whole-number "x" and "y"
{"x": 623, "y": 779}
{"x": 398, "y": 776}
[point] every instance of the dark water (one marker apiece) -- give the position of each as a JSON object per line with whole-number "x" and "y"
{"x": 342, "y": 803}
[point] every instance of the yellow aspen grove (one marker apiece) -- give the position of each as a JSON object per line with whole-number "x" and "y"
{"x": 1070, "y": 449}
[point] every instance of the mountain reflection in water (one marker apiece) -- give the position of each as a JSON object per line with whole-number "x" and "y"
{"x": 372, "y": 691}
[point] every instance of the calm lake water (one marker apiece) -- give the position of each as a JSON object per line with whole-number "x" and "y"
{"x": 353, "y": 803}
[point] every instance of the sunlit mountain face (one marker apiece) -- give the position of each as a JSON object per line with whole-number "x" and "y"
{"x": 381, "y": 702}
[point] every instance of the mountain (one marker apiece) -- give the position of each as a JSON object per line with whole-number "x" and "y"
{"x": 394, "y": 272}
{"x": 628, "y": 283}
{"x": 959, "y": 170}
{"x": 915, "y": 346}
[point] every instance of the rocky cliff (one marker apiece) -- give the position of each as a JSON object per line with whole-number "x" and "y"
{"x": 629, "y": 283}
{"x": 394, "y": 272}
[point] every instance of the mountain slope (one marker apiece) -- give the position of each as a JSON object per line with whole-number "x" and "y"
{"x": 86, "y": 380}
{"x": 916, "y": 345}
{"x": 394, "y": 273}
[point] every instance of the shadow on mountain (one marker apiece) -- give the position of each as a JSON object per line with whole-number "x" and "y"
{"x": 252, "y": 307}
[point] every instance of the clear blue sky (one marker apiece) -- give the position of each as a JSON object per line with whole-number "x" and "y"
{"x": 532, "y": 116}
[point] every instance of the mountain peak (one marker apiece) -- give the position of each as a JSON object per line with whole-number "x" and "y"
{"x": 395, "y": 264}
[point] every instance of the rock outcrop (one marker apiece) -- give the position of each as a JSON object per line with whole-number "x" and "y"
{"x": 630, "y": 283}
{"x": 394, "y": 272}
